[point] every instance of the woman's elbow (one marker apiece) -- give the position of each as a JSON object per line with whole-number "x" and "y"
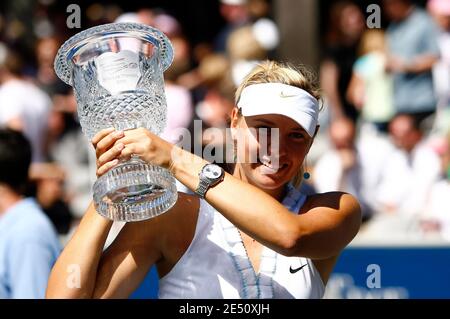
{"x": 325, "y": 242}
{"x": 309, "y": 247}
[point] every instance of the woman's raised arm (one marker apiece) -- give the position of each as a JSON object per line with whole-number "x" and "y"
{"x": 332, "y": 221}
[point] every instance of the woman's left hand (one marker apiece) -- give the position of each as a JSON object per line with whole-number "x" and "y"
{"x": 137, "y": 142}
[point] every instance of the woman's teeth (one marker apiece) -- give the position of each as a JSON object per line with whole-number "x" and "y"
{"x": 267, "y": 168}
{"x": 266, "y": 160}
{"x": 268, "y": 165}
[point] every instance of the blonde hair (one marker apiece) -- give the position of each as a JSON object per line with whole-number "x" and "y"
{"x": 242, "y": 45}
{"x": 214, "y": 71}
{"x": 371, "y": 41}
{"x": 277, "y": 72}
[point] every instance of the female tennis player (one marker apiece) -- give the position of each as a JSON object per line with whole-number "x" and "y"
{"x": 248, "y": 234}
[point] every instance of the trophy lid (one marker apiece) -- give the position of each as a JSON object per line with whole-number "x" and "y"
{"x": 63, "y": 62}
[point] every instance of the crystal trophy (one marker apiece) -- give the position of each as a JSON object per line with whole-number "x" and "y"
{"x": 116, "y": 71}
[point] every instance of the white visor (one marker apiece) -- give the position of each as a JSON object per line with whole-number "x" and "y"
{"x": 283, "y": 99}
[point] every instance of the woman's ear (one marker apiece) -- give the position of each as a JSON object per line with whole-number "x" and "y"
{"x": 234, "y": 120}
{"x": 234, "y": 117}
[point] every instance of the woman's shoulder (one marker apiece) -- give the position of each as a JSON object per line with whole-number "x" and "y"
{"x": 340, "y": 201}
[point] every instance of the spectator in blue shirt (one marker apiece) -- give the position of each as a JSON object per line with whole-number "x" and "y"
{"x": 413, "y": 50}
{"x": 28, "y": 242}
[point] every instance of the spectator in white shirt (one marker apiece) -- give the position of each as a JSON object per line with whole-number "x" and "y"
{"x": 436, "y": 218}
{"x": 342, "y": 167}
{"x": 23, "y": 106}
{"x": 440, "y": 10}
{"x": 411, "y": 170}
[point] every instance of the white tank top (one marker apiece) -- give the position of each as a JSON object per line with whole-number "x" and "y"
{"x": 216, "y": 265}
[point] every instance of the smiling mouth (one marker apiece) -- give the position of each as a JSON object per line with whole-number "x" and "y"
{"x": 268, "y": 168}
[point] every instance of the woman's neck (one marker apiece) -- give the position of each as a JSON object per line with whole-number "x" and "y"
{"x": 278, "y": 193}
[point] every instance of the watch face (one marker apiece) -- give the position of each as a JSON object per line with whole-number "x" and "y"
{"x": 212, "y": 171}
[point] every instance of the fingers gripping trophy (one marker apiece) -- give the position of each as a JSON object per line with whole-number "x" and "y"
{"x": 116, "y": 71}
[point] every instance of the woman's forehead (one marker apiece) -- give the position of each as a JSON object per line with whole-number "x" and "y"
{"x": 274, "y": 120}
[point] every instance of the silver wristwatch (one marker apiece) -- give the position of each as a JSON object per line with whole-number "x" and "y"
{"x": 210, "y": 175}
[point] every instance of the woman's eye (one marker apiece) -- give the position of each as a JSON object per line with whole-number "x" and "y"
{"x": 297, "y": 135}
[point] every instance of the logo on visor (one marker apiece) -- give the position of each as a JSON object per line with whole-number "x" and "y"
{"x": 283, "y": 95}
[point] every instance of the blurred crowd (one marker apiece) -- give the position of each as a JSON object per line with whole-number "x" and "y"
{"x": 384, "y": 133}
{"x": 388, "y": 94}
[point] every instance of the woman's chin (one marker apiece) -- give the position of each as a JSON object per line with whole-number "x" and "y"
{"x": 268, "y": 179}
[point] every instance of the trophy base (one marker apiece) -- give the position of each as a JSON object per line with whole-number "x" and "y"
{"x": 134, "y": 191}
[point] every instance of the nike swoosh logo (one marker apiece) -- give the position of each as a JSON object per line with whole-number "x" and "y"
{"x": 283, "y": 95}
{"x": 293, "y": 271}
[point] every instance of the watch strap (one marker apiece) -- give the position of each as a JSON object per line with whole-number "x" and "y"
{"x": 202, "y": 187}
